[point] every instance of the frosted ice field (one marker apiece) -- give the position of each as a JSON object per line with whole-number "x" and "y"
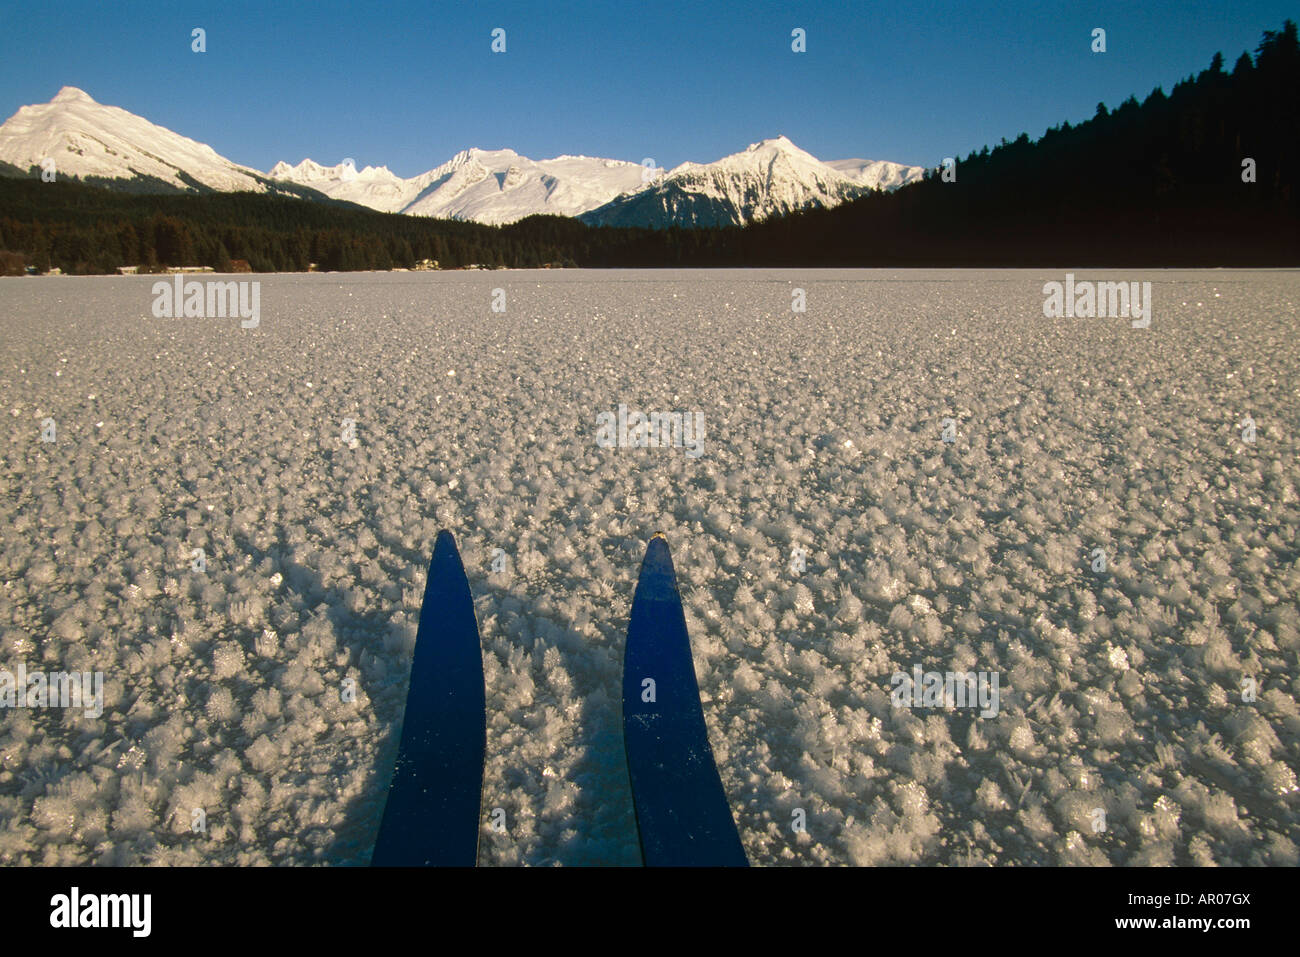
{"x": 1120, "y": 691}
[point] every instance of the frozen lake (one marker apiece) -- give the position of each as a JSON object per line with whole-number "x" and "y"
{"x": 1111, "y": 532}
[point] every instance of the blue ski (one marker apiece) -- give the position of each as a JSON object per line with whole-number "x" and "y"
{"x": 432, "y": 814}
{"x": 682, "y": 814}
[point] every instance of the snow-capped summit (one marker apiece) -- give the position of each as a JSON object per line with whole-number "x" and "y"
{"x": 87, "y": 139}
{"x": 777, "y": 144}
{"x": 69, "y": 93}
{"x": 770, "y": 177}
{"x": 772, "y": 157}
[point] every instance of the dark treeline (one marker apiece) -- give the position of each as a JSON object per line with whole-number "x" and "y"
{"x": 85, "y": 229}
{"x": 1156, "y": 183}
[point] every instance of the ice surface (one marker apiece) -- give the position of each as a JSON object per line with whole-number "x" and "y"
{"x": 224, "y": 690}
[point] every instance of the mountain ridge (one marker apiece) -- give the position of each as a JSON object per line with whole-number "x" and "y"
{"x": 106, "y": 144}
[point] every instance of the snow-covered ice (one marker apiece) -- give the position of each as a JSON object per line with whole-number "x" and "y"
{"x": 826, "y": 538}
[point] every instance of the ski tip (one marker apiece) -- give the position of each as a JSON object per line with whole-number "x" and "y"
{"x": 657, "y": 557}
{"x": 445, "y": 553}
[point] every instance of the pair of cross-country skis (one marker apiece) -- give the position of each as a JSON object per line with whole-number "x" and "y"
{"x": 433, "y": 812}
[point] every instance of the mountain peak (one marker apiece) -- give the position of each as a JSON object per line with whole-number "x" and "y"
{"x": 70, "y": 94}
{"x": 91, "y": 139}
{"x": 779, "y": 142}
{"x": 771, "y": 177}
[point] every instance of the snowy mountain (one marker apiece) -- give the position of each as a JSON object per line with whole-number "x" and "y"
{"x": 89, "y": 140}
{"x": 486, "y": 186}
{"x": 376, "y": 187}
{"x": 500, "y": 186}
{"x": 877, "y": 174}
{"x": 769, "y": 178}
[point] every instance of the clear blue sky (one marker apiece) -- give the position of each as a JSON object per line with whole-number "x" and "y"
{"x": 408, "y": 84}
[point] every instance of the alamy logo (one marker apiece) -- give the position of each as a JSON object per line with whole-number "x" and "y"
{"x": 946, "y": 689}
{"x": 636, "y": 430}
{"x": 133, "y": 911}
{"x": 1098, "y": 300}
{"x": 210, "y": 300}
{"x": 58, "y": 689}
